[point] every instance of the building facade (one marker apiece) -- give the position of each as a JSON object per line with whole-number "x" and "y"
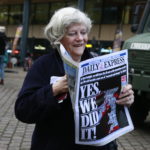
{"x": 107, "y": 16}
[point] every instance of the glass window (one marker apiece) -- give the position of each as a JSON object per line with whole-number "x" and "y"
{"x": 72, "y": 3}
{"x": 126, "y": 15}
{"x": 112, "y": 11}
{"x": 15, "y": 14}
{"x": 94, "y": 10}
{"x": 32, "y": 13}
{"x": 109, "y": 12}
{"x": 55, "y": 6}
{"x": 111, "y": 15}
{"x": 41, "y": 13}
{"x": 3, "y": 15}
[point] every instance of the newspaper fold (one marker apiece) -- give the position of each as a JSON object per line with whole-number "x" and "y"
{"x": 94, "y": 87}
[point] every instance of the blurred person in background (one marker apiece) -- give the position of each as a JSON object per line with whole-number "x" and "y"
{"x": 28, "y": 61}
{"x": 2, "y": 53}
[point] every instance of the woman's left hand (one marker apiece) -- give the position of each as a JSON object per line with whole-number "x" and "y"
{"x": 126, "y": 97}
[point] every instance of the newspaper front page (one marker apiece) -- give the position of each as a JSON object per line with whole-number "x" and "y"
{"x": 94, "y": 86}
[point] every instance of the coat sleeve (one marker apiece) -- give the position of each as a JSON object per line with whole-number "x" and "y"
{"x": 35, "y": 102}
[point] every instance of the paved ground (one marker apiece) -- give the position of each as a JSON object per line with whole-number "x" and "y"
{"x": 15, "y": 135}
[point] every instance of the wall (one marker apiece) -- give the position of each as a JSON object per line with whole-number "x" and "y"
{"x": 103, "y": 32}
{"x": 107, "y": 32}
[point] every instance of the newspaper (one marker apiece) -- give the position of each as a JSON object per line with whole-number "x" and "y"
{"x": 94, "y": 87}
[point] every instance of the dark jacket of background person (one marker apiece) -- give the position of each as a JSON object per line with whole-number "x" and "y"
{"x": 54, "y": 121}
{"x": 2, "y": 43}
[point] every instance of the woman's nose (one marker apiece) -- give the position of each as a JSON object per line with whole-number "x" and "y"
{"x": 79, "y": 36}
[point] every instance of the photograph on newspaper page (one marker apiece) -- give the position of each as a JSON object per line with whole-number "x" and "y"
{"x": 98, "y": 119}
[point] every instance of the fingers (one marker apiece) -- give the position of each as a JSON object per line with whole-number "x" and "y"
{"x": 126, "y": 97}
{"x": 64, "y": 77}
{"x": 127, "y": 91}
{"x": 127, "y": 101}
{"x": 60, "y": 86}
{"x": 64, "y": 84}
{"x": 126, "y": 88}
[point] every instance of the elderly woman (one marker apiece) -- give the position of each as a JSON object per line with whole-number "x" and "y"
{"x": 38, "y": 102}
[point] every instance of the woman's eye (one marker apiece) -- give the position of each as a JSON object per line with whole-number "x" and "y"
{"x": 76, "y": 33}
{"x": 84, "y": 32}
{"x": 71, "y": 33}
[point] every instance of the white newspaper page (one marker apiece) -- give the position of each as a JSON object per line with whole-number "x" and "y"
{"x": 71, "y": 69}
{"x": 98, "y": 119}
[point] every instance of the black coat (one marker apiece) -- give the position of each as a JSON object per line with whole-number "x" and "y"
{"x": 2, "y": 43}
{"x": 36, "y": 104}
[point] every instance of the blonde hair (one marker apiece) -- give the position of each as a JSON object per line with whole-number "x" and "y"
{"x": 63, "y": 18}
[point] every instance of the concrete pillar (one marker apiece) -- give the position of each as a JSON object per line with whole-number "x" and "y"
{"x": 26, "y": 14}
{"x": 81, "y": 5}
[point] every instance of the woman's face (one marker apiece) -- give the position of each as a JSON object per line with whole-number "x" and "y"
{"x": 75, "y": 40}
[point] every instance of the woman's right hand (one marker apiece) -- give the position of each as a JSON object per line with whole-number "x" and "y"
{"x": 60, "y": 86}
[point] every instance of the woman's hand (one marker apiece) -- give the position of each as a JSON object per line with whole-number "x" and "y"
{"x": 60, "y": 86}
{"x": 126, "y": 97}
